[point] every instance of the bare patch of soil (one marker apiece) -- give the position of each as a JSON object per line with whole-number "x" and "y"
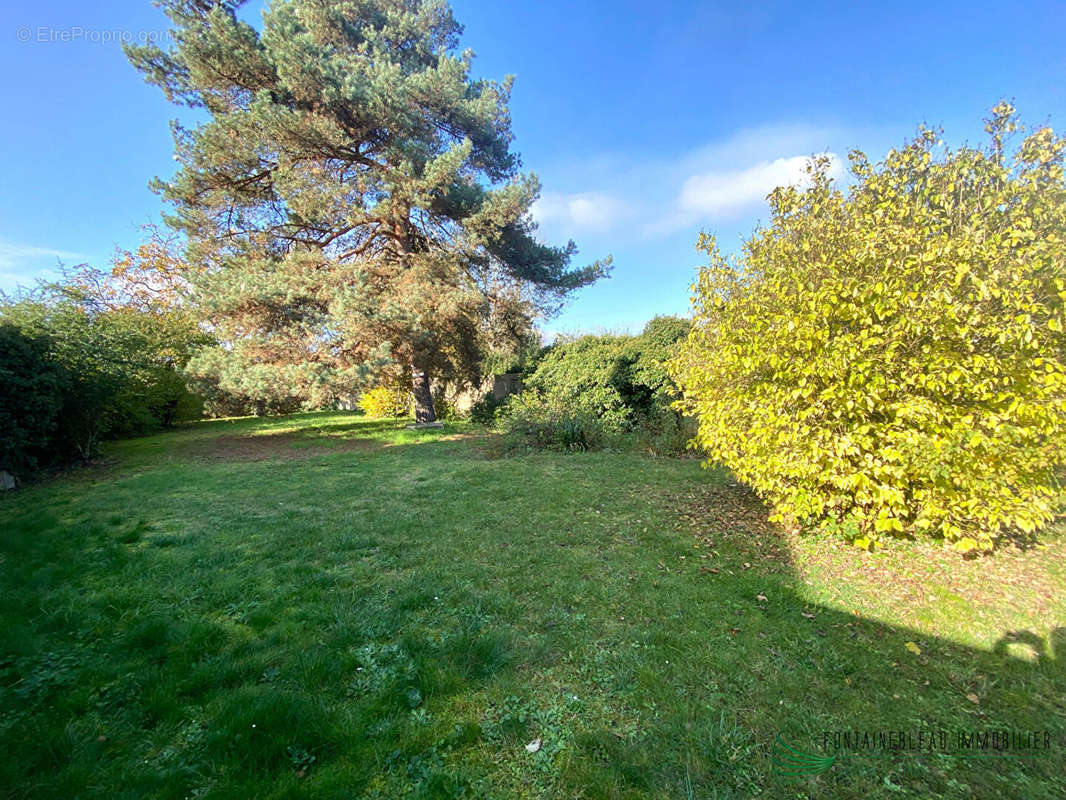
{"x": 733, "y": 523}
{"x": 275, "y": 447}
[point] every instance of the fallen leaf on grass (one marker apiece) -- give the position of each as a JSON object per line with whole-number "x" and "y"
{"x": 761, "y": 598}
{"x": 807, "y": 615}
{"x": 913, "y": 648}
{"x": 534, "y": 746}
{"x": 973, "y": 698}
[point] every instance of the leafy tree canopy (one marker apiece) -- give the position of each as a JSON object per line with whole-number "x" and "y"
{"x": 352, "y": 198}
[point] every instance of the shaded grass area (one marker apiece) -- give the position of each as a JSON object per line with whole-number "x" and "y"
{"x": 327, "y": 606}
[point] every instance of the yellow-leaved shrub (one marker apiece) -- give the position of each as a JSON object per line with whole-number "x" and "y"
{"x": 391, "y": 400}
{"x": 891, "y": 359}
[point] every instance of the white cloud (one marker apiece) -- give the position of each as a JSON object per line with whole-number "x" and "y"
{"x": 650, "y": 195}
{"x": 764, "y": 143}
{"x": 14, "y": 256}
{"x": 20, "y": 263}
{"x": 726, "y": 193}
{"x": 595, "y": 211}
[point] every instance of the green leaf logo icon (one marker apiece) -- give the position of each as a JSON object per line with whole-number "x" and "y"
{"x": 794, "y": 763}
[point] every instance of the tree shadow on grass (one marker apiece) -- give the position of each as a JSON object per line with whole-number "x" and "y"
{"x": 429, "y": 631}
{"x": 358, "y": 426}
{"x": 136, "y": 693}
{"x": 273, "y": 447}
{"x": 286, "y": 444}
{"x": 797, "y": 699}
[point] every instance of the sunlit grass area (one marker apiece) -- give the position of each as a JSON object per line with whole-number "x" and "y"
{"x": 328, "y": 606}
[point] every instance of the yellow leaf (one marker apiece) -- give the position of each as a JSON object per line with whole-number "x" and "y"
{"x": 913, "y": 648}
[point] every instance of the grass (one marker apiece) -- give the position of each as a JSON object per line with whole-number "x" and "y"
{"x": 325, "y": 606}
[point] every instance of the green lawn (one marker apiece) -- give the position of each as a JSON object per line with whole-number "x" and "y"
{"x": 324, "y": 606}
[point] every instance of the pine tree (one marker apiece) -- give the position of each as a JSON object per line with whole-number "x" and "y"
{"x": 351, "y": 201}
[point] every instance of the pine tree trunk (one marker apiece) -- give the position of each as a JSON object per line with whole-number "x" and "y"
{"x": 419, "y": 377}
{"x": 423, "y": 396}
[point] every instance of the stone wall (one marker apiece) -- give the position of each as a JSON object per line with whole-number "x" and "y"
{"x": 503, "y": 386}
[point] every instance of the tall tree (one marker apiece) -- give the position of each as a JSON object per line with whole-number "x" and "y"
{"x": 351, "y": 200}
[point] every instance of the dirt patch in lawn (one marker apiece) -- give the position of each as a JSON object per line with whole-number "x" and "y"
{"x": 274, "y": 447}
{"x": 732, "y": 522}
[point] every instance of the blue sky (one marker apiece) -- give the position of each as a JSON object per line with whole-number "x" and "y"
{"x": 646, "y": 122}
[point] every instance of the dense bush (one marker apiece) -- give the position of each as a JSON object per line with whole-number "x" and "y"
{"x": 444, "y": 404}
{"x": 655, "y": 346}
{"x": 258, "y": 393}
{"x": 97, "y": 372}
{"x": 484, "y": 411}
{"x": 588, "y": 390}
{"x": 666, "y": 432}
{"x": 893, "y": 360}
{"x": 388, "y": 400}
{"x": 217, "y": 402}
{"x": 31, "y": 396}
{"x": 592, "y": 375}
{"x": 151, "y": 351}
{"x": 548, "y": 422}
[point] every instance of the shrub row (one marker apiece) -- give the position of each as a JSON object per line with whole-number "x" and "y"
{"x": 71, "y": 376}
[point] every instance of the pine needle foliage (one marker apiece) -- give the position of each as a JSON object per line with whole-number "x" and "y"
{"x": 351, "y": 201}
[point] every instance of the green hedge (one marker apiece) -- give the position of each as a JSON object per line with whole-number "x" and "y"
{"x": 73, "y": 375}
